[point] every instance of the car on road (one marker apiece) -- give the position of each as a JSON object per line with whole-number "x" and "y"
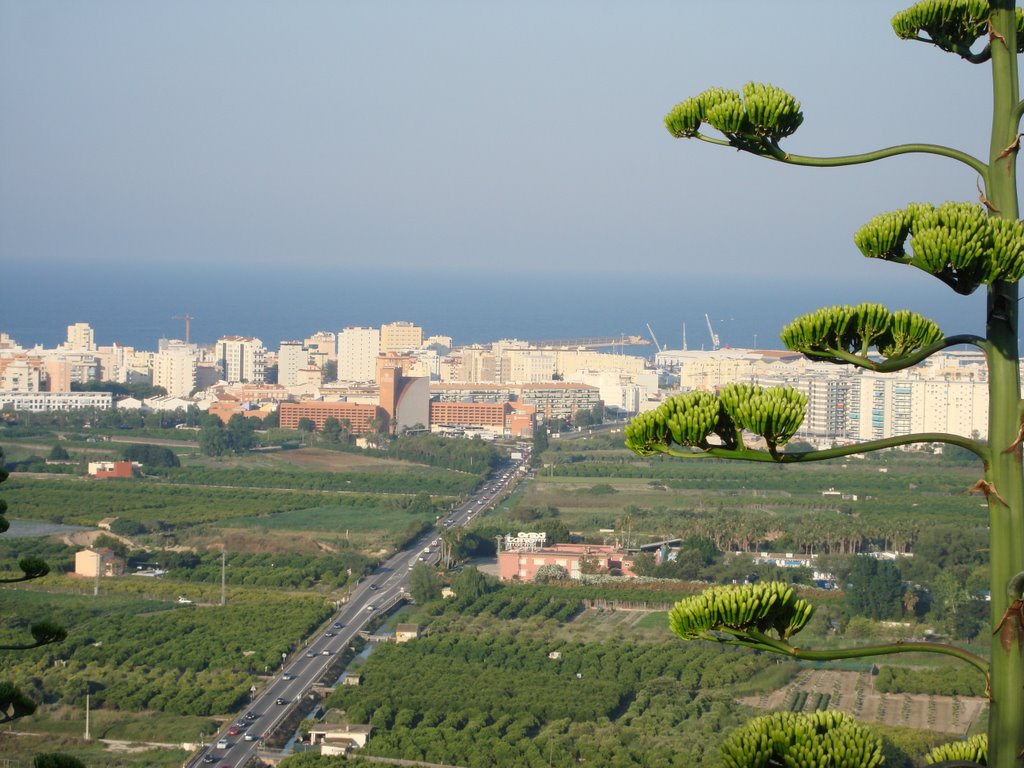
{"x": 328, "y": 634}
{"x": 287, "y": 676}
{"x": 209, "y": 758}
{"x": 250, "y": 715}
{"x": 232, "y": 731}
{"x": 373, "y": 586}
{"x": 280, "y": 701}
{"x": 310, "y": 654}
{"x": 223, "y": 744}
{"x": 251, "y": 736}
{"x": 338, "y": 625}
{"x": 371, "y": 607}
{"x": 325, "y": 652}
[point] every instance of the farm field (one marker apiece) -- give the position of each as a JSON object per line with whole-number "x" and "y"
{"x": 854, "y": 693}
{"x": 287, "y": 542}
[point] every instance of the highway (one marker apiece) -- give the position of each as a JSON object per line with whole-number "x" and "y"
{"x": 374, "y": 595}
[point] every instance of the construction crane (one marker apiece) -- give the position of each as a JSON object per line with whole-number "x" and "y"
{"x": 188, "y": 319}
{"x": 714, "y": 336}
{"x": 650, "y": 330}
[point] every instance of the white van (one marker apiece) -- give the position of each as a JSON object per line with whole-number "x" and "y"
{"x": 222, "y": 744}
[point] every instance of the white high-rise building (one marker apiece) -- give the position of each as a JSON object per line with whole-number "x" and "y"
{"x": 175, "y": 367}
{"x": 80, "y": 338}
{"x": 357, "y": 354}
{"x": 291, "y": 358}
{"x": 241, "y": 359}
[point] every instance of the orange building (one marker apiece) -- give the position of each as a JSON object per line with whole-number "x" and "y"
{"x": 360, "y": 415}
{"x": 488, "y": 415}
{"x": 106, "y": 469}
{"x": 405, "y": 399}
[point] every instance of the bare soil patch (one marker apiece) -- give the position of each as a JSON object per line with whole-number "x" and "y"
{"x": 320, "y": 460}
{"x": 855, "y": 694}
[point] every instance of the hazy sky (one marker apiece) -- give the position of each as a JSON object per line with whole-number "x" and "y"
{"x": 477, "y": 135}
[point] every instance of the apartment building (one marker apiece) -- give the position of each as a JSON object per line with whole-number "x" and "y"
{"x": 292, "y": 357}
{"x": 357, "y": 353}
{"x": 551, "y": 400}
{"x": 175, "y": 368}
{"x": 80, "y": 338}
{"x": 400, "y": 336}
{"x": 361, "y": 416}
{"x": 241, "y": 359}
{"x": 41, "y": 402}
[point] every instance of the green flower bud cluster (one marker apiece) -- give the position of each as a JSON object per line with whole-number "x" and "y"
{"x": 685, "y": 420}
{"x": 974, "y": 749}
{"x": 952, "y": 25}
{"x": 763, "y": 115}
{"x": 762, "y": 606}
{"x": 802, "y": 740}
{"x": 959, "y": 243}
{"x": 775, "y": 413}
{"x": 689, "y": 419}
{"x": 821, "y": 333}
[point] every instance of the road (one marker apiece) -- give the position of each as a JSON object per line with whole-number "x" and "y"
{"x": 376, "y": 594}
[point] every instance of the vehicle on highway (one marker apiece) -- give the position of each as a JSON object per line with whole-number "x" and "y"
{"x": 373, "y": 586}
{"x": 223, "y": 744}
{"x": 287, "y": 676}
{"x": 310, "y": 654}
{"x": 370, "y": 607}
{"x": 338, "y": 625}
{"x": 325, "y": 652}
{"x": 208, "y": 758}
{"x": 328, "y": 634}
{"x": 232, "y": 731}
{"x": 251, "y": 736}
{"x": 250, "y": 715}
{"x": 280, "y": 701}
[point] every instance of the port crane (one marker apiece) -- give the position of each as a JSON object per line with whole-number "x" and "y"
{"x": 715, "y": 345}
{"x": 654, "y": 338}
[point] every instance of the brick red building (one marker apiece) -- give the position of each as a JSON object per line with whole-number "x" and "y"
{"x": 359, "y": 415}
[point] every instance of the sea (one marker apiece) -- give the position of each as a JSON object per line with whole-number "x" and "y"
{"x": 138, "y": 305}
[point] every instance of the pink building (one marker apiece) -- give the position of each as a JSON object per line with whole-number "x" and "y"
{"x": 521, "y": 563}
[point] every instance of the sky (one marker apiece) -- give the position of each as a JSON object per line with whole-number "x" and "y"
{"x": 459, "y": 137}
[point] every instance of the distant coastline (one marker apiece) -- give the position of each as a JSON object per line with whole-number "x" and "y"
{"x": 137, "y": 308}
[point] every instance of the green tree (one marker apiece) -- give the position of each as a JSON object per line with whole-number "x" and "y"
{"x": 421, "y": 505}
{"x": 964, "y": 245}
{"x": 57, "y": 760}
{"x": 58, "y": 453}
{"x": 424, "y": 583}
{"x": 552, "y": 572}
{"x": 150, "y": 455}
{"x": 13, "y": 702}
{"x": 876, "y": 590}
{"x": 331, "y": 432}
{"x": 213, "y": 440}
{"x": 241, "y": 433}
{"x": 471, "y": 584}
